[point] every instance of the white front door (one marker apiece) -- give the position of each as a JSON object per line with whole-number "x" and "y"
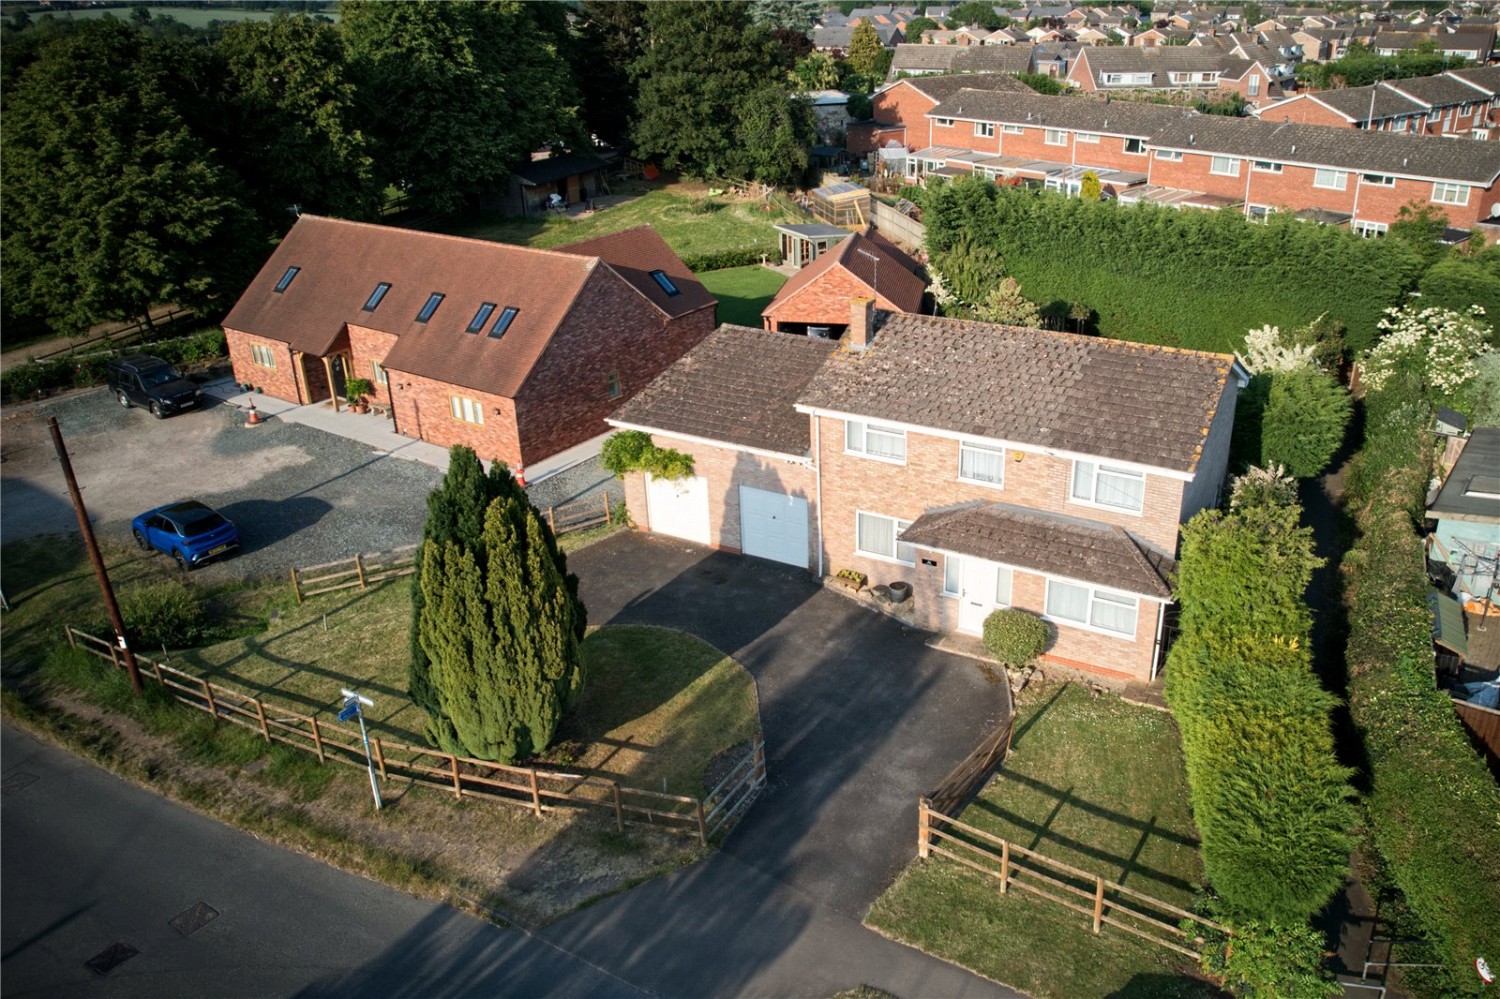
{"x": 678, "y": 507}
{"x": 773, "y": 526}
{"x": 976, "y": 595}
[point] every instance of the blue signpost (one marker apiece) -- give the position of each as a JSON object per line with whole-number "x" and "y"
{"x": 354, "y": 705}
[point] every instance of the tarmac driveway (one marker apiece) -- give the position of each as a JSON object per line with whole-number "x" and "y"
{"x": 860, "y": 718}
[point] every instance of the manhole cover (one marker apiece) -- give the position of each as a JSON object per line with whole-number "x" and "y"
{"x": 110, "y": 958}
{"x": 16, "y": 782}
{"x": 194, "y": 918}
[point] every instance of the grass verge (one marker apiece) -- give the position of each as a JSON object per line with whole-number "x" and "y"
{"x": 743, "y": 292}
{"x": 1092, "y": 782}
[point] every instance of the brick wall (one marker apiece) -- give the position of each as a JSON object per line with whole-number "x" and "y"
{"x": 366, "y": 346}
{"x": 824, "y": 301}
{"x": 1306, "y": 112}
{"x": 424, "y": 410}
{"x": 726, "y": 469}
{"x": 904, "y": 104}
{"x": 610, "y": 329}
{"x": 279, "y": 382}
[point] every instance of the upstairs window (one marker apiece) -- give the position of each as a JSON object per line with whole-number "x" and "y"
{"x": 480, "y": 318}
{"x": 1090, "y": 137}
{"x": 983, "y": 463}
{"x": 286, "y": 279}
{"x": 1135, "y": 146}
{"x": 1265, "y": 166}
{"x": 1103, "y": 485}
{"x": 503, "y": 321}
{"x": 1055, "y": 137}
{"x": 984, "y": 129}
{"x": 660, "y": 277}
{"x": 1013, "y": 129}
{"x": 1332, "y": 180}
{"x": 1225, "y": 166}
{"x": 1170, "y": 155}
{"x": 433, "y": 301}
{"x": 1379, "y": 180}
{"x": 373, "y": 301}
{"x": 1450, "y": 194}
{"x": 883, "y": 443}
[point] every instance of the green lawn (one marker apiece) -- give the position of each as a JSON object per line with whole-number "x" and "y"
{"x": 743, "y": 292}
{"x": 674, "y": 213}
{"x": 1092, "y": 782}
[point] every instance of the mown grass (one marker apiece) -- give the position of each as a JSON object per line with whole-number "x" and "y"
{"x": 676, "y": 215}
{"x": 743, "y": 292}
{"x": 1092, "y": 782}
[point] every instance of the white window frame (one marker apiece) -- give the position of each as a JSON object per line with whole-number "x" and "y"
{"x": 263, "y": 356}
{"x": 1450, "y": 193}
{"x": 1091, "y": 138}
{"x": 1101, "y": 468}
{"x": 1252, "y": 86}
{"x": 862, "y": 446}
{"x": 466, "y": 410}
{"x": 1139, "y": 150}
{"x": 1224, "y": 166}
{"x": 1013, "y": 129}
{"x": 1169, "y": 155}
{"x": 955, "y": 563}
{"x": 1369, "y": 230}
{"x": 981, "y": 447}
{"x": 1094, "y": 592}
{"x": 984, "y": 130}
{"x": 943, "y": 122}
{"x": 1377, "y": 179}
{"x": 1265, "y": 166}
{"x": 897, "y": 526}
{"x": 1054, "y": 137}
{"x": 378, "y": 373}
{"x": 1330, "y": 180}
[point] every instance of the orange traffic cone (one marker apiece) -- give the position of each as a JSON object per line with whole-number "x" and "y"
{"x": 253, "y": 418}
{"x": 520, "y": 474}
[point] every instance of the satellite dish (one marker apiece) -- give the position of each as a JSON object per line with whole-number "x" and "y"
{"x": 1495, "y": 210}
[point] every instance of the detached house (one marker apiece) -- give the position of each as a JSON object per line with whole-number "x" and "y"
{"x": 987, "y": 466}
{"x": 815, "y": 301}
{"x": 518, "y": 353}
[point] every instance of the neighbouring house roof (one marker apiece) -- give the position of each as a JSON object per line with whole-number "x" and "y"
{"x": 1114, "y": 118}
{"x": 1472, "y": 489}
{"x": 1355, "y": 103}
{"x": 915, "y": 58}
{"x": 1437, "y": 90}
{"x": 814, "y": 230}
{"x": 557, "y": 167}
{"x": 737, "y": 386}
{"x": 1053, "y": 543}
{"x": 898, "y": 282}
{"x": 1487, "y": 77}
{"x": 1134, "y": 402}
{"x": 634, "y": 254}
{"x": 940, "y": 88}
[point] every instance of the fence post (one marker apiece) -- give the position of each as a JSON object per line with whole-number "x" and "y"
{"x": 536, "y": 794}
{"x": 156, "y": 668}
{"x": 296, "y": 589}
{"x": 608, "y": 516}
{"x": 923, "y": 843}
{"x": 359, "y": 567}
{"x": 702, "y": 829}
{"x": 1004, "y": 865}
{"x": 619, "y": 808}
{"x": 458, "y": 784}
{"x": 379, "y": 756}
{"x": 72, "y": 644}
{"x": 260, "y": 712}
{"x": 317, "y": 738}
{"x": 552, "y": 518}
{"x": 208, "y": 695}
{"x": 1098, "y": 904}
{"x": 114, "y": 655}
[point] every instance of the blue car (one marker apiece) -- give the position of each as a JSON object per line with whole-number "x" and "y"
{"x": 188, "y": 531}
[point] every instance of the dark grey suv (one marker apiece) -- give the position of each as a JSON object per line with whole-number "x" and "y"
{"x": 143, "y": 380}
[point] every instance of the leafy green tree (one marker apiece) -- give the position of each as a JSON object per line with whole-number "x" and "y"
{"x": 818, "y": 71}
{"x": 793, "y": 15}
{"x": 970, "y": 270}
{"x": 860, "y": 107}
{"x": 292, "y": 119}
{"x": 917, "y": 26}
{"x": 441, "y": 88}
{"x": 773, "y": 135}
{"x": 1089, "y": 187}
{"x": 865, "y": 51}
{"x": 1304, "y": 422}
{"x": 701, "y": 61}
{"x": 1252, "y": 14}
{"x": 499, "y": 621}
{"x": 1005, "y": 304}
{"x": 977, "y": 13}
{"x": 611, "y": 36}
{"x": 111, "y": 205}
{"x": 1461, "y": 280}
{"x": 1042, "y": 83}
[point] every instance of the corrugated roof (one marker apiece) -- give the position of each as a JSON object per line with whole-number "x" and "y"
{"x": 634, "y": 253}
{"x": 737, "y": 386}
{"x": 1132, "y": 402}
{"x": 1051, "y": 543}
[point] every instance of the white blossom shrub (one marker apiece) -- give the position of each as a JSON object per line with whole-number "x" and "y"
{"x": 1266, "y": 353}
{"x": 1439, "y": 346}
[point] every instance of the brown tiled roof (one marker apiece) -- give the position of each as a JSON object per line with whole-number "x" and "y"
{"x": 898, "y": 282}
{"x": 1051, "y": 543}
{"x": 1089, "y": 395}
{"x": 737, "y": 386}
{"x": 341, "y": 262}
{"x": 634, "y": 254}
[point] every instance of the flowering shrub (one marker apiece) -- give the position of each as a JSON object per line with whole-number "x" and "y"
{"x": 1266, "y": 352}
{"x": 1439, "y": 346}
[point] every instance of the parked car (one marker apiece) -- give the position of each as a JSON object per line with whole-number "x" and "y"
{"x": 189, "y": 531}
{"x": 143, "y": 380}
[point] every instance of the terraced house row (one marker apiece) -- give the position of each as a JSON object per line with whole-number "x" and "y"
{"x": 1166, "y": 155}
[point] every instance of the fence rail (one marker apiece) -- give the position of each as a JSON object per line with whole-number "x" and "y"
{"x": 130, "y": 333}
{"x": 1483, "y": 725}
{"x": 360, "y": 571}
{"x": 1105, "y": 903}
{"x": 577, "y": 516}
{"x": 975, "y": 769}
{"x": 531, "y": 788}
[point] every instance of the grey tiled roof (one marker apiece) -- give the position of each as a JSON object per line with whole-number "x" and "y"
{"x": 1437, "y": 90}
{"x": 1113, "y": 118}
{"x": 940, "y": 88}
{"x": 1112, "y": 398}
{"x": 737, "y": 386}
{"x": 1487, "y": 77}
{"x": 1354, "y": 102}
{"x": 1052, "y": 543}
{"x": 914, "y": 58}
{"x": 1479, "y": 461}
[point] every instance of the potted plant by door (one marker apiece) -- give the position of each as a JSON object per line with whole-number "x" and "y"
{"x": 355, "y": 390}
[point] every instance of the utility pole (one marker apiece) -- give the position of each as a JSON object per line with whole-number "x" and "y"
{"x": 92, "y": 545}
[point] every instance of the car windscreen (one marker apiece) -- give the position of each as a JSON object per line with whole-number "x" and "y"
{"x": 152, "y": 377}
{"x": 203, "y": 525}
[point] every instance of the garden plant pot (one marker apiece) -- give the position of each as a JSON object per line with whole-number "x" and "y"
{"x": 900, "y": 592}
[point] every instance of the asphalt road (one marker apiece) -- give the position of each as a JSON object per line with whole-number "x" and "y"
{"x": 91, "y": 862}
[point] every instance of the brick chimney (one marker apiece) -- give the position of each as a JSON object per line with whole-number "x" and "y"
{"x": 861, "y": 323}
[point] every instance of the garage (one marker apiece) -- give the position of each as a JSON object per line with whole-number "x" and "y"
{"x": 678, "y": 507}
{"x": 773, "y": 526}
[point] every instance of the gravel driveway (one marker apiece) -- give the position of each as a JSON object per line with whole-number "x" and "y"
{"x": 299, "y": 496}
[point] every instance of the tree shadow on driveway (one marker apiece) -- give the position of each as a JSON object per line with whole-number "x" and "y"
{"x": 264, "y": 522}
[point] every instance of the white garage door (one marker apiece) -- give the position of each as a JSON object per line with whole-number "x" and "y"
{"x": 678, "y": 507}
{"x": 774, "y": 526}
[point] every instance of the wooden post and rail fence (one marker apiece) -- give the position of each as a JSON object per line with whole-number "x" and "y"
{"x": 1104, "y": 903}
{"x": 365, "y": 570}
{"x": 533, "y": 789}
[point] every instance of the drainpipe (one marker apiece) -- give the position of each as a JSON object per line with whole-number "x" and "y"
{"x": 818, "y": 470}
{"x": 390, "y": 395}
{"x": 1161, "y": 623}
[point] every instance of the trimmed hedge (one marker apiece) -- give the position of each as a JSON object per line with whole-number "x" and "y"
{"x": 744, "y": 256}
{"x": 23, "y": 381}
{"x": 1433, "y": 804}
{"x": 1016, "y": 637}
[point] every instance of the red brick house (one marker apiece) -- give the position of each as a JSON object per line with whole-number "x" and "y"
{"x": 899, "y": 110}
{"x": 987, "y": 466}
{"x": 866, "y": 265}
{"x": 517, "y": 352}
{"x": 1458, "y": 103}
